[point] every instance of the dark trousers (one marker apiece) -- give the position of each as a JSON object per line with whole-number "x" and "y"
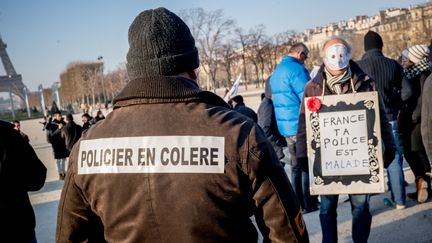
{"x": 361, "y": 217}
{"x": 300, "y": 178}
{"x": 415, "y": 155}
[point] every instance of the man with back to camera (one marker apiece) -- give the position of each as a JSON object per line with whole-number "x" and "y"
{"x": 387, "y": 74}
{"x": 71, "y": 132}
{"x": 21, "y": 171}
{"x": 287, "y": 85}
{"x": 239, "y": 106}
{"x": 190, "y": 170}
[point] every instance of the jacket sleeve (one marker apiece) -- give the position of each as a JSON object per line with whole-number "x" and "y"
{"x": 265, "y": 117}
{"x": 406, "y": 89}
{"x": 426, "y": 119}
{"x": 278, "y": 213}
{"x": 54, "y": 130}
{"x": 76, "y": 222}
{"x": 301, "y": 148}
{"x": 386, "y": 132}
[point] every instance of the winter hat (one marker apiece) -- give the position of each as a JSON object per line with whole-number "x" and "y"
{"x": 372, "y": 40}
{"x": 416, "y": 53}
{"x": 160, "y": 43}
{"x": 238, "y": 99}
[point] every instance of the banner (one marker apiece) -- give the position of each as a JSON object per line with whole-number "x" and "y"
{"x": 234, "y": 89}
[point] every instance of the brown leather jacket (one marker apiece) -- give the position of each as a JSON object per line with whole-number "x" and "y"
{"x": 180, "y": 207}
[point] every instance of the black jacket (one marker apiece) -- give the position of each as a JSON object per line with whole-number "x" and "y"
{"x": 57, "y": 141}
{"x": 71, "y": 133}
{"x": 20, "y": 171}
{"x": 267, "y": 121}
{"x": 241, "y": 108}
{"x": 85, "y": 126}
{"x": 387, "y": 74}
{"x": 410, "y": 116}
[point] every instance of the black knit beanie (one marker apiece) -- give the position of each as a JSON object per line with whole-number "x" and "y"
{"x": 238, "y": 99}
{"x": 372, "y": 40}
{"x": 160, "y": 43}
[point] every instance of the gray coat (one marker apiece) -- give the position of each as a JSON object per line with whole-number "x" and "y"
{"x": 426, "y": 118}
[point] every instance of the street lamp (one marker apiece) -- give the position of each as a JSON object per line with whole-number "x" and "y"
{"x": 100, "y": 58}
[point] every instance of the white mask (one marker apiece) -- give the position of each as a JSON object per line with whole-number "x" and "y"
{"x": 337, "y": 57}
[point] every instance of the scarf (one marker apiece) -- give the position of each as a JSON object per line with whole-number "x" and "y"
{"x": 335, "y": 82}
{"x": 417, "y": 69}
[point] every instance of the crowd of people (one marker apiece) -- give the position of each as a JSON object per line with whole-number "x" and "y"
{"x": 174, "y": 163}
{"x": 62, "y": 135}
{"x": 405, "y": 119}
{"x": 404, "y": 91}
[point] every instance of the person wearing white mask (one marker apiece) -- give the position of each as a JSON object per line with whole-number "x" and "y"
{"x": 340, "y": 75}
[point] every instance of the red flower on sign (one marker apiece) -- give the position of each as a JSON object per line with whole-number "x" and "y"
{"x": 314, "y": 104}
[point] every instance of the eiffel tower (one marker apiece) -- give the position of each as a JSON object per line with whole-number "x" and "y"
{"x": 12, "y": 82}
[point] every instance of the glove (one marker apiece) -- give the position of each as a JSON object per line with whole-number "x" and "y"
{"x": 389, "y": 155}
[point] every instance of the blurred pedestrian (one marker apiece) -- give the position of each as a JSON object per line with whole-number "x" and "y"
{"x": 287, "y": 85}
{"x": 99, "y": 117}
{"x": 387, "y": 74}
{"x": 416, "y": 70}
{"x": 239, "y": 106}
{"x": 21, "y": 171}
{"x": 71, "y": 132}
{"x": 426, "y": 118}
{"x": 86, "y": 118}
{"x": 267, "y": 121}
{"x": 17, "y": 126}
{"x": 58, "y": 143}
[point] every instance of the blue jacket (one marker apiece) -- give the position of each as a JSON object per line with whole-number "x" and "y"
{"x": 287, "y": 84}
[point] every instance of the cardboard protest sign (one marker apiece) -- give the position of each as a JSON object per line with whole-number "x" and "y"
{"x": 344, "y": 144}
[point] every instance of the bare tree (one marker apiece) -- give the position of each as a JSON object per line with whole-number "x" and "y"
{"x": 278, "y": 47}
{"x": 258, "y": 42}
{"x": 117, "y": 80}
{"x": 213, "y": 31}
{"x": 81, "y": 81}
{"x": 243, "y": 40}
{"x": 194, "y": 18}
{"x": 90, "y": 75}
{"x": 48, "y": 95}
{"x": 34, "y": 99}
{"x": 209, "y": 29}
{"x": 227, "y": 61}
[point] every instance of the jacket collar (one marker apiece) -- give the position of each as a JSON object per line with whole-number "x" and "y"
{"x": 357, "y": 75}
{"x": 372, "y": 53}
{"x": 292, "y": 59}
{"x": 164, "y": 89}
